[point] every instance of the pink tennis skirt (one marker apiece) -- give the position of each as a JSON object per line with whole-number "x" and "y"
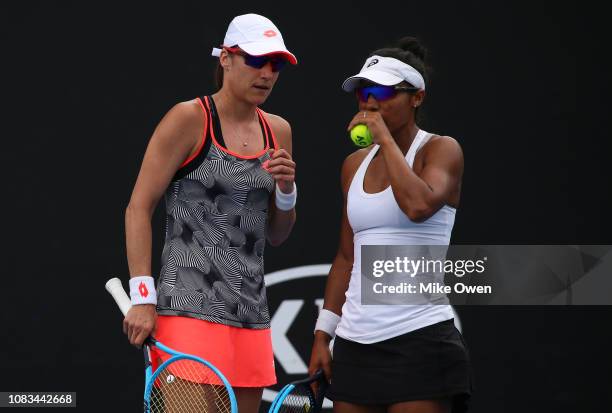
{"x": 243, "y": 355}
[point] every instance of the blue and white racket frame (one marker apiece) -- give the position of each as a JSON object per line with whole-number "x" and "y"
{"x": 176, "y": 356}
{"x": 115, "y": 288}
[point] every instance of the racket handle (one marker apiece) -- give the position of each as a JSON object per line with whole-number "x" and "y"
{"x": 114, "y": 287}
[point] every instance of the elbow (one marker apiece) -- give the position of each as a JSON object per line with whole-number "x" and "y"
{"x": 130, "y": 214}
{"x": 274, "y": 238}
{"x": 277, "y": 239}
{"x": 278, "y": 232}
{"x": 344, "y": 260}
{"x": 418, "y": 213}
{"x": 130, "y": 211}
{"x": 134, "y": 212}
{"x": 274, "y": 241}
{"x": 416, "y": 208}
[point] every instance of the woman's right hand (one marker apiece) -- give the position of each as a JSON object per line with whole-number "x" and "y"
{"x": 139, "y": 323}
{"x": 320, "y": 356}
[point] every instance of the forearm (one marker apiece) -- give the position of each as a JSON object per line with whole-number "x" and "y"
{"x": 413, "y": 195}
{"x": 138, "y": 239}
{"x": 335, "y": 296}
{"x": 280, "y": 225}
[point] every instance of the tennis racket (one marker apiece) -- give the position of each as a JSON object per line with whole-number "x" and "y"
{"x": 182, "y": 383}
{"x": 299, "y": 396}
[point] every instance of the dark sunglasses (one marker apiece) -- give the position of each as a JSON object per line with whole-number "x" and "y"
{"x": 259, "y": 61}
{"x": 380, "y": 92}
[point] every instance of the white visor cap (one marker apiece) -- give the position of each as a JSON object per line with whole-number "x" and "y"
{"x": 386, "y": 71}
{"x": 257, "y": 36}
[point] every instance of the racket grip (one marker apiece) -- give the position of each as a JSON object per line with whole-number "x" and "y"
{"x": 114, "y": 287}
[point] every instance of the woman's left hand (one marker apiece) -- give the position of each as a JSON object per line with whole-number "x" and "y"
{"x": 282, "y": 168}
{"x": 375, "y": 123}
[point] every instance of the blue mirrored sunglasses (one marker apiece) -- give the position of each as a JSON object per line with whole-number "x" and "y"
{"x": 258, "y": 62}
{"x": 380, "y": 92}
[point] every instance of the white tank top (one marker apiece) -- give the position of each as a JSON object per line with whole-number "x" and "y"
{"x": 376, "y": 219}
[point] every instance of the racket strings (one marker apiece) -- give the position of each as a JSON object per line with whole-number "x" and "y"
{"x": 299, "y": 400}
{"x": 186, "y": 386}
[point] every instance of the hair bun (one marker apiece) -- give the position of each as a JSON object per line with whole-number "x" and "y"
{"x": 412, "y": 44}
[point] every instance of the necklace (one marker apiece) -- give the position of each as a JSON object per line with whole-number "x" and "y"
{"x": 245, "y": 143}
{"x": 237, "y": 135}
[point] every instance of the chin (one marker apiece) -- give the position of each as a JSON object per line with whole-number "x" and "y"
{"x": 258, "y": 98}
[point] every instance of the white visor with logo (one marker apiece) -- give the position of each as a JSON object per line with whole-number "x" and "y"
{"x": 386, "y": 71}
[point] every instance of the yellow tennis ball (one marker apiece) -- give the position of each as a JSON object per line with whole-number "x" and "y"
{"x": 361, "y": 136}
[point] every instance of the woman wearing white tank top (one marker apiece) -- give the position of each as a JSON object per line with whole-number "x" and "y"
{"x": 402, "y": 190}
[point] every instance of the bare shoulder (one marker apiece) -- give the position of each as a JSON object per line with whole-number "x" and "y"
{"x": 354, "y": 159}
{"x": 181, "y": 128}
{"x": 281, "y": 129}
{"x": 188, "y": 112}
{"x": 351, "y": 164}
{"x": 444, "y": 146}
{"x": 277, "y": 122}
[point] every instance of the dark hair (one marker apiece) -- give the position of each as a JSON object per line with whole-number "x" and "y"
{"x": 410, "y": 51}
{"x": 219, "y": 76}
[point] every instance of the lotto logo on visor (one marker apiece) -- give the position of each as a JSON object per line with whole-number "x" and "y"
{"x": 255, "y": 35}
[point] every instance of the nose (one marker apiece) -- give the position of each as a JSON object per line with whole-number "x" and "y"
{"x": 266, "y": 71}
{"x": 371, "y": 104}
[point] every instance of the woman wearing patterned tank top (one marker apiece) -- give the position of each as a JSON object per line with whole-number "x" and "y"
{"x": 403, "y": 190}
{"x": 226, "y": 172}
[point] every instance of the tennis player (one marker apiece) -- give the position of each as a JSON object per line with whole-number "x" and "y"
{"x": 402, "y": 190}
{"x": 226, "y": 172}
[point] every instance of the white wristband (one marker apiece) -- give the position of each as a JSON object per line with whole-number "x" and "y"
{"x": 286, "y": 202}
{"x": 327, "y": 322}
{"x": 142, "y": 290}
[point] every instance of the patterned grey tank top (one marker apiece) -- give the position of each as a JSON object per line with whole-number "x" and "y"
{"x": 217, "y": 208}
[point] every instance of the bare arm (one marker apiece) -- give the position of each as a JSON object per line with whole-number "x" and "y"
{"x": 282, "y": 168}
{"x": 418, "y": 196}
{"x": 175, "y": 138}
{"x": 421, "y": 196}
{"x": 340, "y": 272}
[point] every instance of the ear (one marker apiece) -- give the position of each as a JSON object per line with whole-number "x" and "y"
{"x": 418, "y": 98}
{"x": 225, "y": 59}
